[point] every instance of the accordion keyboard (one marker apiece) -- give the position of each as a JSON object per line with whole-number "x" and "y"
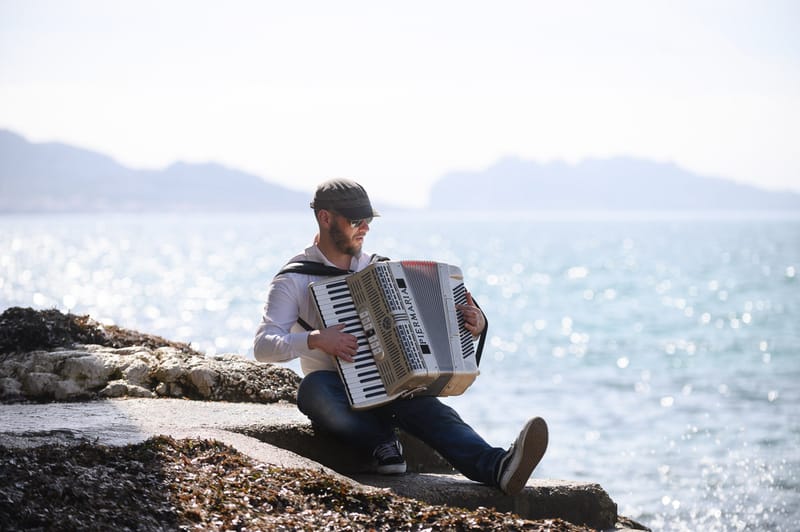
{"x": 361, "y": 377}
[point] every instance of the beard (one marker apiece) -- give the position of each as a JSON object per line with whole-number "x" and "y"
{"x": 342, "y": 242}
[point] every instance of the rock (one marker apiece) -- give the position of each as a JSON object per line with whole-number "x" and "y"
{"x": 87, "y": 371}
{"x": 138, "y": 371}
{"x": 92, "y": 371}
{"x": 117, "y": 366}
{"x": 39, "y": 385}
{"x": 203, "y": 379}
{"x": 170, "y": 370}
{"x": 175, "y": 389}
{"x": 113, "y": 389}
{"x": 10, "y": 388}
{"x": 24, "y": 330}
{"x": 267, "y": 396}
{"x": 69, "y": 390}
{"x": 139, "y": 391}
{"x": 581, "y": 503}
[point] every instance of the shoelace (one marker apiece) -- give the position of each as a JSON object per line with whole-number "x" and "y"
{"x": 385, "y": 451}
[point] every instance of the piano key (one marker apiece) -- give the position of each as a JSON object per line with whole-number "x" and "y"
{"x": 358, "y": 392}
{"x": 326, "y": 305}
{"x": 350, "y": 369}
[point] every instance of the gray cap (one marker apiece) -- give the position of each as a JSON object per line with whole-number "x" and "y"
{"x": 345, "y": 197}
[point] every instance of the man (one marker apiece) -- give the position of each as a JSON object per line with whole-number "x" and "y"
{"x": 344, "y": 213}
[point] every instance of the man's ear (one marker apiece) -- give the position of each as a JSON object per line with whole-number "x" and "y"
{"x": 325, "y": 218}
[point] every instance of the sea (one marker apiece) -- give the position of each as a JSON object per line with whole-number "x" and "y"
{"x": 662, "y": 349}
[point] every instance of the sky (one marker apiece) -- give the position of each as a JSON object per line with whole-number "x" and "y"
{"x": 397, "y": 94}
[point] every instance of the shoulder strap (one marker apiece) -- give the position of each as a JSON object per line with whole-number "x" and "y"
{"x": 482, "y": 338}
{"x": 309, "y": 267}
{"x": 377, "y": 258}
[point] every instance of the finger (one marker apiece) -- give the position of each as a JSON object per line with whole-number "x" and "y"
{"x": 345, "y": 356}
{"x": 351, "y": 345}
{"x": 470, "y": 301}
{"x": 467, "y": 312}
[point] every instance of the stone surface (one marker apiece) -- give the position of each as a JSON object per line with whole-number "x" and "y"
{"x": 577, "y": 502}
{"x": 252, "y": 428}
{"x": 300, "y": 438}
{"x": 433, "y": 480}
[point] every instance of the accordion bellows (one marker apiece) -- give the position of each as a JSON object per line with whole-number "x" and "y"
{"x": 411, "y": 338}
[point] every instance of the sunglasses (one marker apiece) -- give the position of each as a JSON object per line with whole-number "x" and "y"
{"x": 355, "y": 223}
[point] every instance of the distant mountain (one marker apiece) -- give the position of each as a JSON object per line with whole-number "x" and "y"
{"x": 599, "y": 184}
{"x": 56, "y": 177}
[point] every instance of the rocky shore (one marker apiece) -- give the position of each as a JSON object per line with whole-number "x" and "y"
{"x": 50, "y": 356}
{"x": 182, "y": 482}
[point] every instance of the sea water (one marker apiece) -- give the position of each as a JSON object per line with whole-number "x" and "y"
{"x": 664, "y": 351}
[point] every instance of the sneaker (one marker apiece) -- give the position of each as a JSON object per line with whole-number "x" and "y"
{"x": 523, "y": 456}
{"x": 390, "y": 458}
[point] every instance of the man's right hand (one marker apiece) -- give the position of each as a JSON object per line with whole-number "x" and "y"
{"x": 334, "y": 342}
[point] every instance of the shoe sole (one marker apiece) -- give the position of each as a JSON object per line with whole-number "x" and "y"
{"x": 533, "y": 443}
{"x": 393, "y": 469}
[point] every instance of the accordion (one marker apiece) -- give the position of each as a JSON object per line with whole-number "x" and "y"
{"x": 411, "y": 339}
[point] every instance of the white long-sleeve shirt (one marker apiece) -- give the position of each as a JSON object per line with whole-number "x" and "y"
{"x": 279, "y": 337}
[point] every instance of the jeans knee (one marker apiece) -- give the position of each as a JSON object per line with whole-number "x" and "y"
{"x": 318, "y": 393}
{"x": 322, "y": 398}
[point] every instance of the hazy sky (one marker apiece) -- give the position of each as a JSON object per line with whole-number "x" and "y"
{"x": 395, "y": 94}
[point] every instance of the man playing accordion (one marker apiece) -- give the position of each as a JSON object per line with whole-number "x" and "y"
{"x": 344, "y": 212}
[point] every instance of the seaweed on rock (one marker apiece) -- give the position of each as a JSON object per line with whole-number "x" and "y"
{"x": 167, "y": 484}
{"x": 26, "y": 329}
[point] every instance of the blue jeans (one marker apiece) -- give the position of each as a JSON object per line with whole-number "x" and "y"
{"x": 323, "y": 399}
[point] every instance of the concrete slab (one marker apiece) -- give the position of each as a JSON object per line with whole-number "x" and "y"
{"x": 279, "y": 434}
{"x": 580, "y": 503}
{"x": 433, "y": 480}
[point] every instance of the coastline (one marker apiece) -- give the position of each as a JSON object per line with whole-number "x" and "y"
{"x": 318, "y": 495}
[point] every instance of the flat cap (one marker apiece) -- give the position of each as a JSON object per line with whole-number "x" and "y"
{"x": 345, "y": 197}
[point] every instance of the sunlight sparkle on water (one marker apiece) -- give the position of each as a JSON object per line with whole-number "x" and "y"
{"x": 578, "y": 272}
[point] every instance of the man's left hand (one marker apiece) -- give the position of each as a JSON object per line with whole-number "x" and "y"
{"x": 474, "y": 320}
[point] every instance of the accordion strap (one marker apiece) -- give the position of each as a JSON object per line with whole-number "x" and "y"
{"x": 309, "y": 267}
{"x": 482, "y": 338}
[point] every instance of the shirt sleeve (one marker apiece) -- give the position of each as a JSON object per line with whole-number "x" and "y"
{"x": 275, "y": 341}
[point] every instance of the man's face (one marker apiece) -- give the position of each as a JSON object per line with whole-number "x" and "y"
{"x": 346, "y": 238}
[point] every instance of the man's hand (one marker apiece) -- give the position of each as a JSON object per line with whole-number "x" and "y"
{"x": 474, "y": 321}
{"x": 334, "y": 342}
